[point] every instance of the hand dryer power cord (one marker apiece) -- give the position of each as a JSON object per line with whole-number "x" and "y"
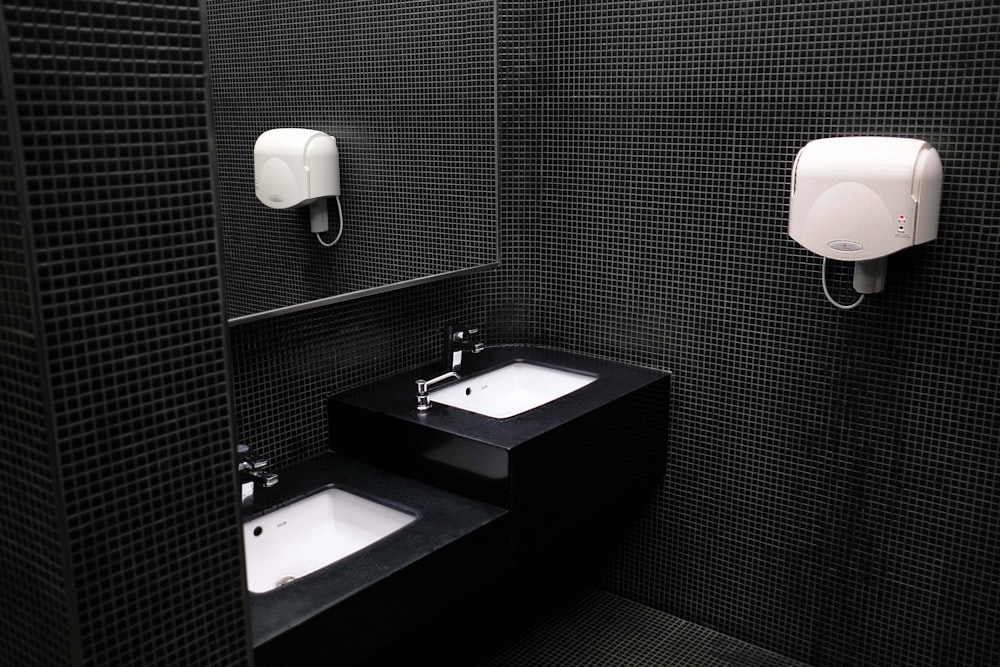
{"x": 340, "y": 218}
{"x": 830, "y": 298}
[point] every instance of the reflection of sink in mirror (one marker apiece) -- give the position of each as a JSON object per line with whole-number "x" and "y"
{"x": 512, "y": 389}
{"x": 311, "y": 533}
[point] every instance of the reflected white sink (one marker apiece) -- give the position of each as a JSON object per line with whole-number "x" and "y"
{"x": 311, "y": 533}
{"x": 511, "y": 389}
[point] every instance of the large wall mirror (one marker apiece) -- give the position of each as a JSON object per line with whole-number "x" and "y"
{"x": 408, "y": 89}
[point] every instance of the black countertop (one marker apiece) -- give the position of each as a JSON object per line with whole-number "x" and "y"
{"x": 444, "y": 520}
{"x": 395, "y": 396}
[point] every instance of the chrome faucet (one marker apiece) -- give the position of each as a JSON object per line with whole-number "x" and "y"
{"x": 457, "y": 341}
{"x": 253, "y": 473}
{"x": 424, "y": 387}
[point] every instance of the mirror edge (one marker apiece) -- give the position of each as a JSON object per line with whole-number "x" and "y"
{"x": 350, "y": 296}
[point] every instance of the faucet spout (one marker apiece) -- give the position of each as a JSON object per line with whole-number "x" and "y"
{"x": 424, "y": 387}
{"x": 457, "y": 341}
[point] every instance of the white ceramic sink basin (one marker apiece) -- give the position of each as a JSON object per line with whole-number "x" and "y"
{"x": 311, "y": 533}
{"x": 511, "y": 389}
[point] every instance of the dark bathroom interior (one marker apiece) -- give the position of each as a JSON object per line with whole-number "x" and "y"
{"x": 605, "y": 178}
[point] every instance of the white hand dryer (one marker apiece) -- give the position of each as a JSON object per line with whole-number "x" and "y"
{"x": 860, "y": 199}
{"x": 296, "y": 167}
{"x": 293, "y": 167}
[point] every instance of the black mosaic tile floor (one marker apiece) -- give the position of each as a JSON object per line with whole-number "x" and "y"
{"x": 598, "y": 629}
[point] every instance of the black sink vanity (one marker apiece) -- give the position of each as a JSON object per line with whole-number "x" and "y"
{"x": 506, "y": 508}
{"x": 568, "y": 470}
{"x": 359, "y": 604}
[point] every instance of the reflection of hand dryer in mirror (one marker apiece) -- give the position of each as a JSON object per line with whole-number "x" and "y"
{"x": 296, "y": 167}
{"x": 860, "y": 199}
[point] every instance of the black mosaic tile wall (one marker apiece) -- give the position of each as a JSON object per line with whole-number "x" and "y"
{"x": 833, "y": 479}
{"x": 833, "y": 474}
{"x": 34, "y": 618}
{"x": 408, "y": 90}
{"x": 120, "y": 521}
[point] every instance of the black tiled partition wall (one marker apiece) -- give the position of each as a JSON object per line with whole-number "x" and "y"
{"x": 832, "y": 481}
{"x": 120, "y": 522}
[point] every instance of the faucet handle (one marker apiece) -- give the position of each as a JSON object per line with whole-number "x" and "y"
{"x": 462, "y": 334}
{"x": 257, "y": 468}
{"x": 268, "y": 479}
